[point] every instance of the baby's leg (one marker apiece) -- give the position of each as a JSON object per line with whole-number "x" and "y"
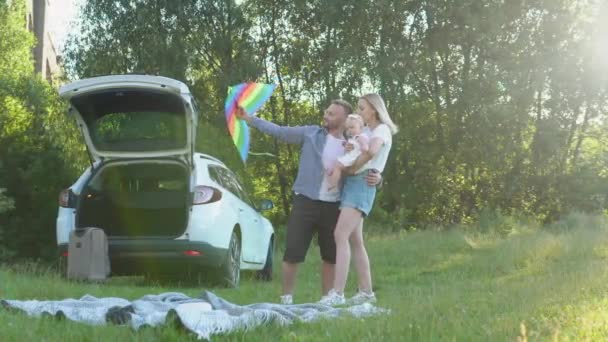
{"x": 334, "y": 177}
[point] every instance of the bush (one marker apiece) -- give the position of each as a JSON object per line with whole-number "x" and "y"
{"x": 495, "y": 222}
{"x": 40, "y": 149}
{"x": 577, "y": 220}
{"x": 6, "y": 203}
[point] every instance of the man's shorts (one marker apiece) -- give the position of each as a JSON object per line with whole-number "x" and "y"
{"x": 307, "y": 217}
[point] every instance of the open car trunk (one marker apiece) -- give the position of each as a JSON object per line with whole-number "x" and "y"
{"x": 137, "y": 199}
{"x": 134, "y": 116}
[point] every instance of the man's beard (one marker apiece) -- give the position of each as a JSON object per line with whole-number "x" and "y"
{"x": 329, "y": 126}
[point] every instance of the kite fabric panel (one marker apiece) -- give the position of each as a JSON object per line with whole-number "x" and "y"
{"x": 250, "y": 96}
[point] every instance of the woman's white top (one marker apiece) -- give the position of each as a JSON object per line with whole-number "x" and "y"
{"x": 378, "y": 161}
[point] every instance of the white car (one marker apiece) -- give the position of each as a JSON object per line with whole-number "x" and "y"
{"x": 164, "y": 208}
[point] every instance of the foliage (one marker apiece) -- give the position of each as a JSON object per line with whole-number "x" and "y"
{"x": 6, "y": 203}
{"x": 501, "y": 104}
{"x": 35, "y": 138}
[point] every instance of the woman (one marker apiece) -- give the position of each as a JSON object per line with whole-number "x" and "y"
{"x": 357, "y": 201}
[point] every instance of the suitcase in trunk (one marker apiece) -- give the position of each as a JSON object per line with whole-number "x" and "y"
{"x": 88, "y": 257}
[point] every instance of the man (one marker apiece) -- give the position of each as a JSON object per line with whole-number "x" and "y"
{"x": 315, "y": 207}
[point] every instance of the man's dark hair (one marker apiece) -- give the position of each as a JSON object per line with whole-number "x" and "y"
{"x": 344, "y": 104}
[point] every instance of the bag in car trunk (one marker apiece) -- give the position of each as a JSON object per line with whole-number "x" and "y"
{"x": 137, "y": 198}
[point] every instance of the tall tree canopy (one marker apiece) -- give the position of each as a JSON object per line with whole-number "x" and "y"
{"x": 501, "y": 104}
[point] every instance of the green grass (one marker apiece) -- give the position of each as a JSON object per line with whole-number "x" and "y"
{"x": 440, "y": 285}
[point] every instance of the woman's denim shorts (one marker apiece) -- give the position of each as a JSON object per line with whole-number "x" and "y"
{"x": 357, "y": 194}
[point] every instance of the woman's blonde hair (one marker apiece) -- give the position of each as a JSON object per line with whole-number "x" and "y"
{"x": 377, "y": 103}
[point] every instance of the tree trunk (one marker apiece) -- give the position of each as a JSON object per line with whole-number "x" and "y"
{"x": 573, "y": 126}
{"x": 534, "y": 148}
{"x": 275, "y": 57}
{"x": 435, "y": 90}
{"x": 273, "y": 111}
{"x": 581, "y": 136}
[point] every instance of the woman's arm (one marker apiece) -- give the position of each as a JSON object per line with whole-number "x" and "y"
{"x": 363, "y": 143}
{"x": 374, "y": 146}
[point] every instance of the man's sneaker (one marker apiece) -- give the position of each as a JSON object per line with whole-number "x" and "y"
{"x": 362, "y": 297}
{"x": 332, "y": 298}
{"x": 287, "y": 299}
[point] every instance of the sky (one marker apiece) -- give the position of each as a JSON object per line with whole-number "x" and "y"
{"x": 61, "y": 14}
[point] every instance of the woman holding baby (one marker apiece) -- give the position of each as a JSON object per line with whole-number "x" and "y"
{"x": 357, "y": 201}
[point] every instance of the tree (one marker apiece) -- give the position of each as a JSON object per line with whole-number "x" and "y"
{"x": 500, "y": 104}
{"x": 35, "y": 137}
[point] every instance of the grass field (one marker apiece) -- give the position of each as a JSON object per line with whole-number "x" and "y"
{"x": 454, "y": 285}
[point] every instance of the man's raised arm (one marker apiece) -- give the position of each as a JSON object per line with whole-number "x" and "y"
{"x": 292, "y": 135}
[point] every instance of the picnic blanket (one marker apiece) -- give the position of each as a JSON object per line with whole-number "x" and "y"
{"x": 204, "y": 316}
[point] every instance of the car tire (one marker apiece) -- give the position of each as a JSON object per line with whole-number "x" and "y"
{"x": 265, "y": 274}
{"x": 231, "y": 270}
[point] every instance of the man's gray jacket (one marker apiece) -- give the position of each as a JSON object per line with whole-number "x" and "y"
{"x": 312, "y": 140}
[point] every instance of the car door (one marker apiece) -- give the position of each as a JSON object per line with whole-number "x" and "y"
{"x": 249, "y": 220}
{"x": 259, "y": 237}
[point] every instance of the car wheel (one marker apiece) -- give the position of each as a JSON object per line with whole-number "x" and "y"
{"x": 265, "y": 273}
{"x": 232, "y": 266}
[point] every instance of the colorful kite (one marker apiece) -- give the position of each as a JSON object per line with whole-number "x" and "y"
{"x": 250, "y": 96}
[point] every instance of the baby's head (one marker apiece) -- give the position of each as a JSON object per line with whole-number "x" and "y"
{"x": 354, "y": 124}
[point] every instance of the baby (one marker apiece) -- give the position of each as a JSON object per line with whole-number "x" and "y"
{"x": 360, "y": 142}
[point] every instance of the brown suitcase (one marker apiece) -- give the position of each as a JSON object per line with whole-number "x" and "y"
{"x": 88, "y": 257}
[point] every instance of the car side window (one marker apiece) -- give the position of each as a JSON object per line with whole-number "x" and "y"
{"x": 221, "y": 175}
{"x": 241, "y": 191}
{"x": 234, "y": 184}
{"x": 230, "y": 182}
{"x": 215, "y": 175}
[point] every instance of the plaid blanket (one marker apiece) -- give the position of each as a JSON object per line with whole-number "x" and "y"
{"x": 205, "y": 316}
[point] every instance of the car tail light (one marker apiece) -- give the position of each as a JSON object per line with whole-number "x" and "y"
{"x": 192, "y": 253}
{"x": 206, "y": 194}
{"x": 65, "y": 254}
{"x": 67, "y": 199}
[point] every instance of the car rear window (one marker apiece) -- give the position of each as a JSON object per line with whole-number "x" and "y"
{"x": 134, "y": 120}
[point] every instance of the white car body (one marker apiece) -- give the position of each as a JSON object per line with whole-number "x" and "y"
{"x": 206, "y": 238}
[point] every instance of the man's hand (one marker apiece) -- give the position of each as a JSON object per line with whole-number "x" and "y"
{"x": 242, "y": 114}
{"x": 373, "y": 178}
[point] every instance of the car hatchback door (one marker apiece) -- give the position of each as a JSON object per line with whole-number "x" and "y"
{"x": 134, "y": 116}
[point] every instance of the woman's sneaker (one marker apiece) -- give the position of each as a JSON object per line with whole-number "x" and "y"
{"x": 362, "y": 297}
{"x": 286, "y": 299}
{"x": 332, "y": 298}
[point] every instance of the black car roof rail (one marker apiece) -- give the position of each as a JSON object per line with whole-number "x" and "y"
{"x": 206, "y": 156}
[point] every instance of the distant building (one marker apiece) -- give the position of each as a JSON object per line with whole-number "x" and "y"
{"x": 45, "y": 55}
